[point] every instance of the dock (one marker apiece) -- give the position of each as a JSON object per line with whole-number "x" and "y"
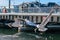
{"x": 34, "y": 17}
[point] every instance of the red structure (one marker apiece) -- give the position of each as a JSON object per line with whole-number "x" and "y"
{"x": 4, "y": 10}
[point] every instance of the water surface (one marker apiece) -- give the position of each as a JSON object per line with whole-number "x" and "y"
{"x": 12, "y": 34}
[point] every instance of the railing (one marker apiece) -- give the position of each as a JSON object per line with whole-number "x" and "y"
{"x": 32, "y": 10}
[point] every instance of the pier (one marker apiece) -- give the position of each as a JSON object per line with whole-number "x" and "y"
{"x": 34, "y": 17}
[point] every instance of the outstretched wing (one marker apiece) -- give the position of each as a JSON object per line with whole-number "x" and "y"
{"x": 41, "y": 27}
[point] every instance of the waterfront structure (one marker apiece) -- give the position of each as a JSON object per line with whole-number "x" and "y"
{"x": 32, "y": 11}
{"x": 36, "y": 18}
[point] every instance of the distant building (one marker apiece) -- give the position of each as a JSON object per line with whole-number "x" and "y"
{"x": 29, "y": 6}
{"x": 52, "y": 4}
{"x": 43, "y": 5}
{"x": 34, "y": 7}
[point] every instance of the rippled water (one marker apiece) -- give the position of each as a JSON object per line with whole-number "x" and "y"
{"x": 12, "y": 34}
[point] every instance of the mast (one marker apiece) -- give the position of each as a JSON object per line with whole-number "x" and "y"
{"x": 9, "y": 4}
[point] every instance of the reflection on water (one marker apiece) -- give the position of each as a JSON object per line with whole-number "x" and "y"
{"x": 11, "y": 34}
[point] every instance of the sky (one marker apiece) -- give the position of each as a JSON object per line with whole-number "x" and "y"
{"x": 17, "y": 2}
